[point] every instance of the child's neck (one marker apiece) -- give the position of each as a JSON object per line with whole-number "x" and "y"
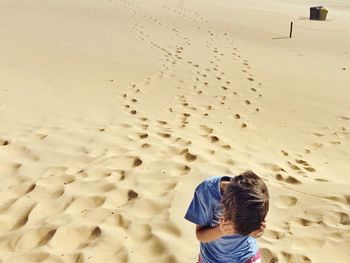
{"x": 224, "y": 182}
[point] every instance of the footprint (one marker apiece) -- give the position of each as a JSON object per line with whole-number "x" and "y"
{"x": 307, "y": 151}
{"x": 142, "y": 232}
{"x": 285, "y": 201}
{"x": 132, "y": 195}
{"x": 30, "y": 239}
{"x": 206, "y": 129}
{"x": 107, "y": 187}
{"x": 305, "y": 165}
{"x": 120, "y": 221}
{"x": 122, "y": 256}
{"x": 155, "y": 246}
{"x": 5, "y": 206}
{"x": 293, "y": 166}
{"x": 344, "y": 218}
{"x": 337, "y": 236}
{"x": 310, "y": 169}
{"x": 170, "y": 228}
{"x": 317, "y": 146}
{"x": 47, "y": 237}
{"x": 322, "y": 180}
{"x": 85, "y": 203}
{"x": 214, "y": 139}
{"x": 341, "y": 199}
{"x": 296, "y": 258}
{"x": 144, "y": 126}
{"x": 344, "y": 118}
{"x": 125, "y": 125}
{"x": 268, "y": 256}
{"x": 32, "y": 257}
{"x": 137, "y": 162}
{"x": 23, "y": 218}
{"x": 273, "y": 235}
{"x": 302, "y": 162}
{"x": 304, "y": 222}
{"x": 57, "y": 193}
{"x": 287, "y": 179}
{"x": 92, "y": 239}
{"x": 143, "y": 135}
{"x": 273, "y": 167}
{"x": 226, "y": 146}
{"x": 165, "y": 135}
{"x": 190, "y": 157}
{"x": 31, "y": 188}
{"x": 78, "y": 237}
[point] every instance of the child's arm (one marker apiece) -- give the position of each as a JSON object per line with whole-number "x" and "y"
{"x": 207, "y": 234}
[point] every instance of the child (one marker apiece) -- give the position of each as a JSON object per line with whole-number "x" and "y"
{"x": 229, "y": 212}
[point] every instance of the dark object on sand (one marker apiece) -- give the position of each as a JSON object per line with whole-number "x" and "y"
{"x": 318, "y": 13}
{"x": 323, "y": 14}
{"x": 315, "y": 12}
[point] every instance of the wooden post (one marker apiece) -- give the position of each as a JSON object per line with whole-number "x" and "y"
{"x": 291, "y": 30}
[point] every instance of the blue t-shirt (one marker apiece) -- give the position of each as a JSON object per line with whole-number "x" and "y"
{"x": 205, "y": 210}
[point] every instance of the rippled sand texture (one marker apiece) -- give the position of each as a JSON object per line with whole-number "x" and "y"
{"x": 111, "y": 112}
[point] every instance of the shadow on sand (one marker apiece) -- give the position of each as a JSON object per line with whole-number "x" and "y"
{"x": 275, "y": 38}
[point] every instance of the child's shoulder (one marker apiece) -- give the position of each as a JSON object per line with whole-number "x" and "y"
{"x": 214, "y": 179}
{"x": 210, "y": 180}
{"x": 211, "y": 183}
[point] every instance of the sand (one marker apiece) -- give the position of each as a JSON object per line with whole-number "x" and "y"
{"x": 111, "y": 112}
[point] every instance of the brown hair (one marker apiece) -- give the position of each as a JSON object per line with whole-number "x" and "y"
{"x": 246, "y": 202}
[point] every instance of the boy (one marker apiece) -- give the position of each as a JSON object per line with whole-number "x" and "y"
{"x": 229, "y": 212}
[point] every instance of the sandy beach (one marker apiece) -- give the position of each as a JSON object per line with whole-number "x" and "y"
{"x": 112, "y": 112}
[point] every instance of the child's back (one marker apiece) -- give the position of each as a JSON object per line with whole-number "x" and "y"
{"x": 228, "y": 212}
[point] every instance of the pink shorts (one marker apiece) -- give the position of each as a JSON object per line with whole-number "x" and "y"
{"x": 254, "y": 259}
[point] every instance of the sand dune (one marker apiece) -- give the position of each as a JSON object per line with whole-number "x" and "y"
{"x": 112, "y": 112}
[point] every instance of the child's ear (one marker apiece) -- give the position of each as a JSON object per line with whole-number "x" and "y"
{"x": 225, "y": 221}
